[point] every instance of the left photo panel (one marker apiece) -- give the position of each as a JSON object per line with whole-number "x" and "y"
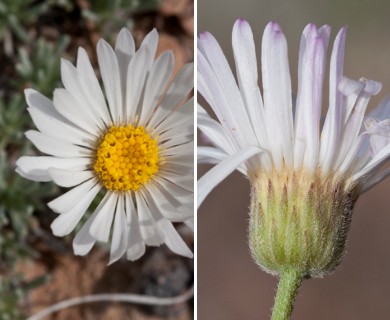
{"x": 97, "y": 159}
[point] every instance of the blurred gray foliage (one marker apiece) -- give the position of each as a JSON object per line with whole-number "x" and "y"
{"x": 104, "y": 11}
{"x": 19, "y": 198}
{"x": 41, "y": 68}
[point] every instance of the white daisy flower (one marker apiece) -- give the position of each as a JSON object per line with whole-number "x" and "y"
{"x": 305, "y": 175}
{"x": 134, "y": 143}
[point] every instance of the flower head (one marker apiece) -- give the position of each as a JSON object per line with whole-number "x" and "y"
{"x": 133, "y": 143}
{"x": 305, "y": 175}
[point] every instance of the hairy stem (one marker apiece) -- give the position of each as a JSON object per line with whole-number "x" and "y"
{"x": 289, "y": 283}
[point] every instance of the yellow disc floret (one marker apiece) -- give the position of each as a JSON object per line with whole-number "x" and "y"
{"x": 126, "y": 158}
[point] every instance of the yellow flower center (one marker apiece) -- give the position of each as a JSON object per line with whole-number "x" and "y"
{"x": 126, "y": 158}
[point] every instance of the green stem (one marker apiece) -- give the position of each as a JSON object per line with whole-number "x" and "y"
{"x": 289, "y": 283}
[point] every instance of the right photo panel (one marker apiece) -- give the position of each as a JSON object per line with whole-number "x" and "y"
{"x": 293, "y": 160}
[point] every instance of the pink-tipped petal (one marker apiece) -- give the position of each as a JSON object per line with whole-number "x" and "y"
{"x": 331, "y": 131}
{"x": 277, "y": 94}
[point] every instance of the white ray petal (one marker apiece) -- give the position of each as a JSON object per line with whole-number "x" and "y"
{"x": 176, "y": 150}
{"x": 227, "y": 102}
{"x": 203, "y": 82}
{"x": 175, "y": 141}
{"x": 309, "y": 100}
{"x": 182, "y": 159}
{"x": 355, "y": 120}
{"x": 156, "y": 84}
{"x": 179, "y": 116}
{"x": 185, "y": 129}
{"x": 180, "y": 87}
{"x": 49, "y": 121}
{"x": 58, "y": 129}
{"x": 150, "y": 42}
{"x": 69, "y": 107}
{"x": 330, "y": 136}
{"x": 208, "y": 83}
{"x": 380, "y": 135}
{"x": 124, "y": 46}
{"x": 186, "y": 182}
{"x": 38, "y": 166}
{"x": 54, "y": 146}
{"x": 351, "y": 89}
{"x": 69, "y": 178}
{"x": 171, "y": 238}
{"x": 124, "y": 50}
{"x": 374, "y": 164}
{"x": 135, "y": 243}
{"x": 101, "y": 226}
{"x": 147, "y": 224}
{"x": 68, "y": 200}
{"x": 351, "y": 155}
{"x": 136, "y": 78}
{"x": 168, "y": 205}
{"x": 210, "y": 155}
{"x": 177, "y": 168}
{"x": 91, "y": 87}
{"x": 67, "y": 221}
{"x": 70, "y": 80}
{"x": 277, "y": 94}
{"x": 33, "y": 177}
{"x": 119, "y": 233}
{"x": 214, "y": 131}
{"x": 84, "y": 241}
{"x": 324, "y": 32}
{"x": 172, "y": 188}
{"x": 246, "y": 68}
{"x": 213, "y": 177}
{"x": 38, "y": 101}
{"x": 109, "y": 69}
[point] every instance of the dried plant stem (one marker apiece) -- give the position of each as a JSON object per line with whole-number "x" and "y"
{"x": 114, "y": 297}
{"x": 289, "y": 283}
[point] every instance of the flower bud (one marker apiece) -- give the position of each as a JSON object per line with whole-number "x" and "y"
{"x": 300, "y": 221}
